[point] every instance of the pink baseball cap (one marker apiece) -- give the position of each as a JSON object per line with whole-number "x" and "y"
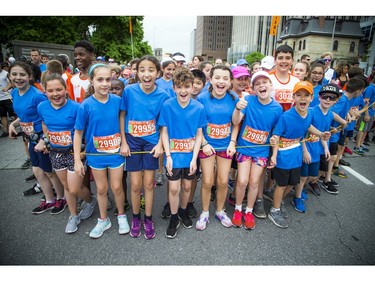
{"x": 240, "y": 71}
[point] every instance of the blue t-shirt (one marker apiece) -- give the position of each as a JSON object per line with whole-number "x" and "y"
{"x": 355, "y": 102}
{"x": 182, "y": 125}
{"x": 102, "y": 127}
{"x": 219, "y": 117}
{"x": 341, "y": 108}
{"x": 322, "y": 122}
{"x": 315, "y": 100}
{"x": 164, "y": 84}
{"x": 26, "y": 106}
{"x": 59, "y": 122}
{"x": 369, "y": 93}
{"x": 257, "y": 124}
{"x": 142, "y": 112}
{"x": 291, "y": 128}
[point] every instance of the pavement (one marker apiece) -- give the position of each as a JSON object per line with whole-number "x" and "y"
{"x": 335, "y": 230}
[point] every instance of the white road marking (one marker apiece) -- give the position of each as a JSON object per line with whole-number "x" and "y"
{"x": 357, "y": 175}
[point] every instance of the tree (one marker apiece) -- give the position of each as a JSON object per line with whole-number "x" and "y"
{"x": 109, "y": 35}
{"x": 253, "y": 57}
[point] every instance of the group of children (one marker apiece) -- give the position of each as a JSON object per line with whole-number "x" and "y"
{"x": 195, "y": 126}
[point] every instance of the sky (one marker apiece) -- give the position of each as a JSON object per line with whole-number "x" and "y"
{"x": 171, "y": 33}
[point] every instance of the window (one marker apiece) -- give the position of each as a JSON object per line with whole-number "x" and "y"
{"x": 294, "y": 45}
{"x": 352, "y": 47}
{"x": 299, "y": 45}
{"x": 304, "y": 44}
{"x": 335, "y": 45}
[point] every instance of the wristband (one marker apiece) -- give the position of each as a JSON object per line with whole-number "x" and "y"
{"x": 238, "y": 108}
{"x": 204, "y": 144}
{"x": 167, "y": 155}
{"x": 233, "y": 141}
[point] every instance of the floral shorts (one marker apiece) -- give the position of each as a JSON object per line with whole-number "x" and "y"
{"x": 222, "y": 154}
{"x": 260, "y": 161}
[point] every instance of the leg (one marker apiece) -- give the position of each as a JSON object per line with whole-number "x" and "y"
{"x": 101, "y": 181}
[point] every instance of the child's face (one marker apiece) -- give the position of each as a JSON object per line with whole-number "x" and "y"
{"x": 316, "y": 75}
{"x": 206, "y": 70}
{"x": 45, "y": 60}
{"x": 116, "y": 88}
{"x": 183, "y": 92}
{"x": 147, "y": 73}
{"x": 283, "y": 62}
{"x": 82, "y": 57}
{"x": 300, "y": 71}
{"x": 263, "y": 87}
{"x": 168, "y": 71}
{"x": 56, "y": 93}
{"x": 197, "y": 86}
{"x": 220, "y": 82}
{"x": 240, "y": 84}
{"x": 302, "y": 100}
{"x": 102, "y": 81}
{"x": 327, "y": 100}
{"x": 19, "y": 78}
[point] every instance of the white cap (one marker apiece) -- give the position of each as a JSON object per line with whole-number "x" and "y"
{"x": 166, "y": 59}
{"x": 268, "y": 62}
{"x": 179, "y": 58}
{"x": 12, "y": 59}
{"x": 260, "y": 73}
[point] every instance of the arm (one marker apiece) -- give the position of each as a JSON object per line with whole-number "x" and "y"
{"x": 306, "y": 153}
{"x": 197, "y": 145}
{"x": 158, "y": 148}
{"x": 323, "y": 135}
{"x": 237, "y": 115}
{"x": 231, "y": 149}
{"x": 12, "y": 128}
{"x": 274, "y": 142}
{"x": 124, "y": 148}
{"x": 165, "y": 142}
{"x": 327, "y": 154}
{"x": 78, "y": 166}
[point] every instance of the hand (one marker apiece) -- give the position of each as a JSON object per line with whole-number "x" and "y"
{"x": 241, "y": 104}
{"x": 306, "y": 158}
{"x": 157, "y": 150}
{"x": 193, "y": 168}
{"x": 325, "y": 136}
{"x": 208, "y": 150}
{"x": 124, "y": 149}
{"x": 41, "y": 146}
{"x": 231, "y": 149}
{"x": 79, "y": 169}
{"x": 169, "y": 165}
{"x": 272, "y": 163}
{"x": 274, "y": 141}
{"x": 367, "y": 118}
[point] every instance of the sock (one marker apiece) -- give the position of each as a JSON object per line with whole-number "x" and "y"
{"x": 148, "y": 218}
{"x": 238, "y": 207}
{"x": 274, "y": 209}
{"x": 137, "y": 216}
{"x": 220, "y": 212}
{"x": 205, "y": 214}
{"x": 249, "y": 210}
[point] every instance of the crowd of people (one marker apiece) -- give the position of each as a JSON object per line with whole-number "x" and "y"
{"x": 263, "y": 131}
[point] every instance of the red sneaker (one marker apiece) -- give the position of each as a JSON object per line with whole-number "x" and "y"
{"x": 249, "y": 221}
{"x": 237, "y": 218}
{"x": 348, "y": 150}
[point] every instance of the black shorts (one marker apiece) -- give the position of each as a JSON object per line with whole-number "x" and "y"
{"x": 333, "y": 146}
{"x": 234, "y": 164}
{"x": 287, "y": 177}
{"x": 6, "y": 108}
{"x": 180, "y": 173}
{"x": 342, "y": 138}
{"x": 323, "y": 164}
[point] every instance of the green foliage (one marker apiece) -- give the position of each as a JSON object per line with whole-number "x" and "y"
{"x": 254, "y": 56}
{"x": 109, "y": 34}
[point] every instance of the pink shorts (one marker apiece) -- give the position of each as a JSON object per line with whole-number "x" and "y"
{"x": 260, "y": 161}
{"x": 222, "y": 154}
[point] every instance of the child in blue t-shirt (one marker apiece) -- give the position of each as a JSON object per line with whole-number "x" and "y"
{"x": 181, "y": 121}
{"x": 290, "y": 129}
{"x": 98, "y": 121}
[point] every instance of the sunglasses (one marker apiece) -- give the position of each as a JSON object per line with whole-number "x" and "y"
{"x": 326, "y": 97}
{"x": 327, "y": 60}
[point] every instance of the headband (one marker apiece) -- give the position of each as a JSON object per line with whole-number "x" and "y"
{"x": 95, "y": 66}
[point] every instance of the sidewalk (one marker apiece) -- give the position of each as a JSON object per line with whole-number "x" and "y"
{"x": 12, "y": 153}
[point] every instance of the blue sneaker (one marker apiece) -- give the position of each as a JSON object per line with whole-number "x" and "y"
{"x": 365, "y": 149}
{"x": 100, "y": 227}
{"x": 299, "y": 205}
{"x": 304, "y": 195}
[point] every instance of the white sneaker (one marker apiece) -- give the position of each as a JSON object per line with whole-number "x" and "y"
{"x": 100, "y": 227}
{"x": 224, "y": 219}
{"x": 123, "y": 225}
{"x": 72, "y": 224}
{"x": 202, "y": 222}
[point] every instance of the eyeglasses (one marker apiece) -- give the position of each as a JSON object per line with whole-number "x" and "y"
{"x": 317, "y": 73}
{"x": 327, "y": 60}
{"x": 326, "y": 97}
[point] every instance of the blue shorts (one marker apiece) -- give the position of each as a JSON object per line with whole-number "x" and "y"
{"x": 111, "y": 161}
{"x": 310, "y": 170}
{"x": 39, "y": 159}
{"x": 140, "y": 161}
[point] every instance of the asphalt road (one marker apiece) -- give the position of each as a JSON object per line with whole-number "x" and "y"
{"x": 335, "y": 230}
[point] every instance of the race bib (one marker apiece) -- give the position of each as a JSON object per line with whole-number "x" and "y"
{"x": 286, "y": 144}
{"x": 254, "y": 136}
{"x": 27, "y": 127}
{"x": 107, "y": 144}
{"x": 142, "y": 128}
{"x": 60, "y": 138}
{"x": 181, "y": 145}
{"x": 218, "y": 131}
{"x": 284, "y": 96}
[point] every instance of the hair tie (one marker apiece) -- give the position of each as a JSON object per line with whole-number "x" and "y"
{"x": 95, "y": 66}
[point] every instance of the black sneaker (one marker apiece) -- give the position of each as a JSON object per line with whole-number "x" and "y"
{"x": 59, "y": 207}
{"x": 192, "y": 212}
{"x": 30, "y": 178}
{"x": 26, "y": 165}
{"x": 183, "y": 216}
{"x": 321, "y": 179}
{"x": 328, "y": 186}
{"x": 315, "y": 189}
{"x": 32, "y": 191}
{"x": 171, "y": 231}
{"x": 166, "y": 213}
{"x": 344, "y": 163}
{"x": 334, "y": 183}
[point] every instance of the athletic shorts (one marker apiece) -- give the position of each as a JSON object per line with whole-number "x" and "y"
{"x": 323, "y": 164}
{"x": 141, "y": 161}
{"x": 222, "y": 154}
{"x": 342, "y": 138}
{"x": 6, "y": 108}
{"x": 260, "y": 161}
{"x": 310, "y": 170}
{"x": 180, "y": 173}
{"x": 365, "y": 126}
{"x": 39, "y": 159}
{"x": 285, "y": 177}
{"x": 62, "y": 161}
{"x": 112, "y": 161}
{"x": 333, "y": 146}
